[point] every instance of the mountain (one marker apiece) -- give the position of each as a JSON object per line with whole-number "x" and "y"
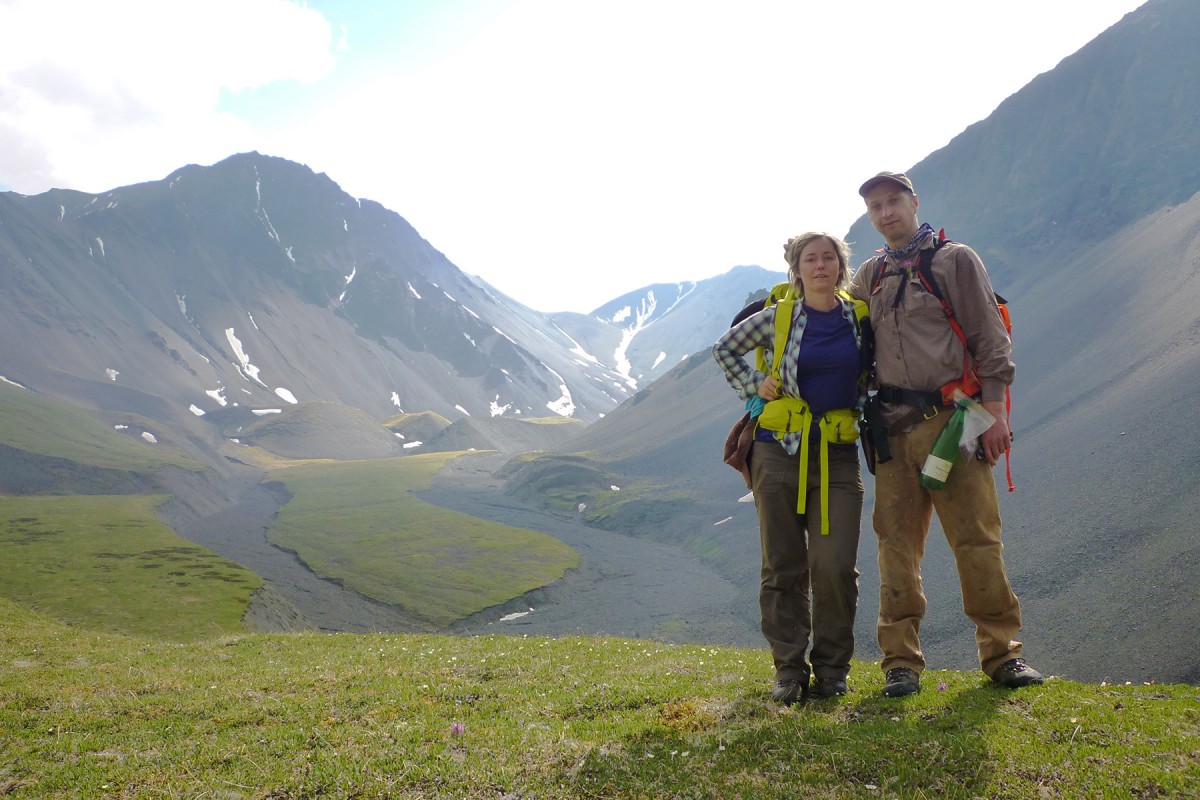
{"x": 257, "y": 283}
{"x": 1080, "y": 191}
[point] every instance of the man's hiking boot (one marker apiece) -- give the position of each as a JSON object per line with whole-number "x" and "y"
{"x": 901, "y": 682}
{"x": 790, "y": 691}
{"x": 1015, "y": 673}
{"x": 829, "y": 687}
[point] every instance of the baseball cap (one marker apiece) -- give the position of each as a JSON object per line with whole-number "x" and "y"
{"x": 898, "y": 178}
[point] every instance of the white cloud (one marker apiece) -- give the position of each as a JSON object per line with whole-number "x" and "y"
{"x": 95, "y": 95}
{"x": 621, "y": 143}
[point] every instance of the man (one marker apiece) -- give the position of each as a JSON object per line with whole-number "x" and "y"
{"x": 917, "y": 353}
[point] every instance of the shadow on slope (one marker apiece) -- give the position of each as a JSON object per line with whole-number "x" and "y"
{"x": 1104, "y": 528}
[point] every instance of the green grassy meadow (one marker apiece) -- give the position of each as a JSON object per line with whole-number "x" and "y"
{"x": 88, "y": 714}
{"x": 357, "y": 522}
{"x": 107, "y": 562}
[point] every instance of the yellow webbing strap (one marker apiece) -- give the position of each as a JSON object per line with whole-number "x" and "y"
{"x": 783, "y": 313}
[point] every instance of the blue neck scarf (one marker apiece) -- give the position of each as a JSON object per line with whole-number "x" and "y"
{"x": 923, "y": 232}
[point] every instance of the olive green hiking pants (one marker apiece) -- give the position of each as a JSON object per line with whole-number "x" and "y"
{"x": 797, "y": 560}
{"x": 969, "y": 512}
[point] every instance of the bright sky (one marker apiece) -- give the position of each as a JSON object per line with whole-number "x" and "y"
{"x": 566, "y": 151}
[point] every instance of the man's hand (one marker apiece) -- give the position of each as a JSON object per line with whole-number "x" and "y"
{"x": 997, "y": 439}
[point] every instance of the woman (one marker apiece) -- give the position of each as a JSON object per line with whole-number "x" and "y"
{"x": 810, "y": 375}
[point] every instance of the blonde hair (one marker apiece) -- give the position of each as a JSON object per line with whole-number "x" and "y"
{"x": 795, "y": 247}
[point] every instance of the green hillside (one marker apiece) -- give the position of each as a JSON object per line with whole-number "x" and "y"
{"x": 357, "y": 522}
{"x": 41, "y": 425}
{"x": 108, "y": 563}
{"x": 86, "y": 714}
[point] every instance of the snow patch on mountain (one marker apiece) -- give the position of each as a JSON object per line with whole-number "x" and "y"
{"x": 564, "y": 406}
{"x": 497, "y": 409}
{"x": 640, "y": 321}
{"x": 248, "y": 370}
{"x": 577, "y": 348}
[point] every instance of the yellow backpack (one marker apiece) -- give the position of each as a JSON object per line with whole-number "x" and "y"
{"x": 792, "y": 414}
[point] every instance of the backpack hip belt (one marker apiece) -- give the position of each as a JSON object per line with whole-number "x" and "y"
{"x": 792, "y": 414}
{"x": 928, "y": 403}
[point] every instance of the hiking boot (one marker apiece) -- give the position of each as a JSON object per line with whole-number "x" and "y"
{"x": 790, "y": 691}
{"x": 1015, "y": 673}
{"x": 901, "y": 682}
{"x": 829, "y": 687}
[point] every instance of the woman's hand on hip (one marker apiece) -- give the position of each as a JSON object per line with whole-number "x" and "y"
{"x": 769, "y": 388}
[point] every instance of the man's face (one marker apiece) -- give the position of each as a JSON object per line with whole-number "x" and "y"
{"x": 893, "y": 212}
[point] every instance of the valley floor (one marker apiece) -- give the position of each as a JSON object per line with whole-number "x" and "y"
{"x": 294, "y": 596}
{"x": 624, "y": 586}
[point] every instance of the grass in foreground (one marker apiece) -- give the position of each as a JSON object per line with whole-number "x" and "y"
{"x": 107, "y": 562}
{"x": 357, "y": 522}
{"x": 349, "y": 716}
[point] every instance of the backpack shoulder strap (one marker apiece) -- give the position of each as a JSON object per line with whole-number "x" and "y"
{"x": 783, "y": 326}
{"x": 778, "y": 292}
{"x": 877, "y": 278}
{"x": 925, "y": 273}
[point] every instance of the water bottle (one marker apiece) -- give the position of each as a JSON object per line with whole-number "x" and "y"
{"x": 945, "y": 450}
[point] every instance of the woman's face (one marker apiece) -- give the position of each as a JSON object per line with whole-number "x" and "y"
{"x": 819, "y": 266}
